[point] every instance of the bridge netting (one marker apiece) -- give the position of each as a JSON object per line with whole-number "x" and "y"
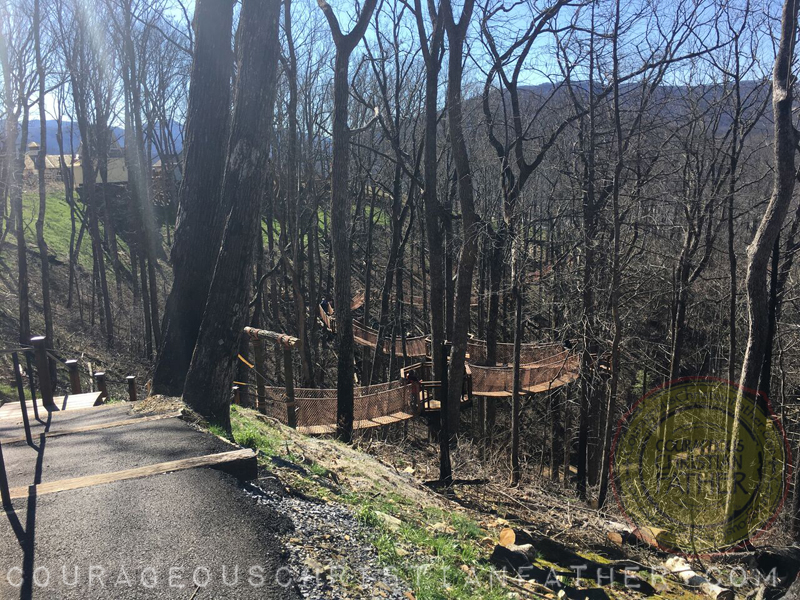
{"x": 545, "y": 367}
{"x": 530, "y": 353}
{"x": 315, "y": 408}
{"x": 416, "y": 346}
{"x": 549, "y": 373}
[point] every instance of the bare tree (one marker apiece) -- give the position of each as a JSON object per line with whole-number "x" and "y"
{"x": 207, "y": 387}
{"x": 15, "y": 57}
{"x": 456, "y": 35}
{"x": 43, "y": 254}
{"x": 760, "y": 249}
{"x": 201, "y": 208}
{"x": 340, "y": 210}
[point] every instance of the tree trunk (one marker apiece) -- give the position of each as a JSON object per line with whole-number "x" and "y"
{"x": 43, "y": 258}
{"x": 456, "y": 34}
{"x": 516, "y": 392}
{"x": 208, "y": 381}
{"x": 340, "y": 212}
{"x": 431, "y": 48}
{"x": 765, "y": 378}
{"x": 201, "y": 209}
{"x": 758, "y": 253}
{"x": 616, "y": 319}
{"x": 293, "y": 206}
{"x": 19, "y": 230}
{"x": 768, "y": 231}
{"x": 366, "y": 368}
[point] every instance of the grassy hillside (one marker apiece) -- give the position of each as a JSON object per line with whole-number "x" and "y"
{"x": 77, "y": 331}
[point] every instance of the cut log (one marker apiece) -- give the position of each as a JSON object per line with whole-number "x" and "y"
{"x": 620, "y": 534}
{"x": 518, "y": 563}
{"x": 783, "y": 562}
{"x": 529, "y": 545}
{"x": 511, "y": 560}
{"x": 279, "y": 338}
{"x": 615, "y": 538}
{"x": 678, "y": 566}
{"x": 507, "y": 537}
{"x": 793, "y": 593}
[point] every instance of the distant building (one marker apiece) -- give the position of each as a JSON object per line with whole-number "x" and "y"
{"x": 167, "y": 175}
{"x": 52, "y": 164}
{"x": 171, "y": 164}
{"x": 117, "y": 169}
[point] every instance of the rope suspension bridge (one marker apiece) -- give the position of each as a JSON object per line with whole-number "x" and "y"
{"x": 313, "y": 410}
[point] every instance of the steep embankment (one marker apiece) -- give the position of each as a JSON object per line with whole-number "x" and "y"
{"x": 366, "y": 529}
{"x": 78, "y": 332}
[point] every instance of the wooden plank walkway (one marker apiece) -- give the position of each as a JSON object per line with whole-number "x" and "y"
{"x": 11, "y": 410}
{"x": 551, "y": 385}
{"x": 391, "y": 419}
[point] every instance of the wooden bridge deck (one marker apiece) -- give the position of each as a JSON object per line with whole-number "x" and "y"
{"x": 391, "y": 419}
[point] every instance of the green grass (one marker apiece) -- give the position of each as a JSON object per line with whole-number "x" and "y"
{"x": 58, "y": 230}
{"x": 57, "y": 226}
{"x": 250, "y": 433}
{"x": 436, "y": 552}
{"x": 219, "y": 431}
{"x": 7, "y": 392}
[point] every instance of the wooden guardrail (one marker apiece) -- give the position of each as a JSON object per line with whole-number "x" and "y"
{"x": 286, "y": 343}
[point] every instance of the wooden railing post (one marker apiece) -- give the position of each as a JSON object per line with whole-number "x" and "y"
{"x": 43, "y": 370}
{"x": 445, "y": 468}
{"x": 74, "y": 376}
{"x": 237, "y": 399}
{"x": 131, "y": 379}
{"x": 100, "y": 378}
{"x": 258, "y": 357}
{"x": 288, "y": 374}
{"x": 287, "y": 342}
{"x": 21, "y": 394}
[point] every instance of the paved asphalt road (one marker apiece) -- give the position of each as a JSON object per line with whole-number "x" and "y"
{"x": 108, "y": 450}
{"x": 13, "y": 427}
{"x": 191, "y": 534}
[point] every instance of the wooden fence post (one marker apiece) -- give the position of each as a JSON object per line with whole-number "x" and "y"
{"x": 288, "y": 373}
{"x": 131, "y": 379}
{"x": 74, "y": 376}
{"x": 445, "y": 467}
{"x": 258, "y": 357}
{"x": 100, "y": 378}
{"x": 237, "y": 399}
{"x": 43, "y": 370}
{"x": 21, "y": 393}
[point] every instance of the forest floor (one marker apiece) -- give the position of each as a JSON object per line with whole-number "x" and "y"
{"x": 432, "y": 545}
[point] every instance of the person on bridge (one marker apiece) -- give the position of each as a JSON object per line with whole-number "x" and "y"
{"x": 416, "y": 387}
{"x": 326, "y": 305}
